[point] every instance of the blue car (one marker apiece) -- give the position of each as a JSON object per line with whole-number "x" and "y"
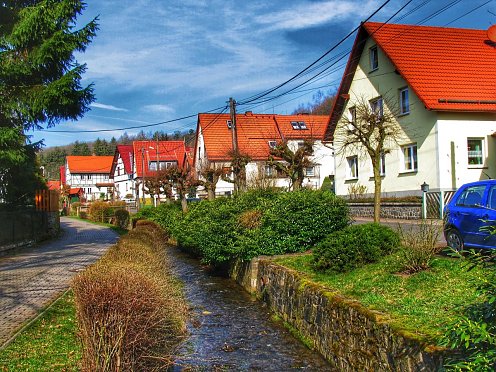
{"x": 469, "y": 215}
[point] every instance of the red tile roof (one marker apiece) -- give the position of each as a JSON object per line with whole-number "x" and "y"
{"x": 450, "y": 69}
{"x": 126, "y": 154}
{"x": 165, "y": 151}
{"x": 89, "y": 164}
{"x": 254, "y": 131}
{"x": 53, "y": 185}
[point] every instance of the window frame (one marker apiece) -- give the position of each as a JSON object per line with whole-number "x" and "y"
{"x": 373, "y": 58}
{"x": 404, "y": 108}
{"x": 482, "y": 152}
{"x": 272, "y": 144}
{"x": 413, "y": 156}
{"x": 311, "y": 173}
{"x": 352, "y": 167}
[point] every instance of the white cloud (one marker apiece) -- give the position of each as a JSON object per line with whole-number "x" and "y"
{"x": 158, "y": 108}
{"x": 307, "y": 15}
{"x": 107, "y": 107}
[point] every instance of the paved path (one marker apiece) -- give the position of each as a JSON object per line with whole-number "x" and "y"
{"x": 31, "y": 278}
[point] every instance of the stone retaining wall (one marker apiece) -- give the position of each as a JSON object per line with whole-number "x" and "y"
{"x": 350, "y": 336}
{"x": 406, "y": 211}
{"x": 26, "y": 227}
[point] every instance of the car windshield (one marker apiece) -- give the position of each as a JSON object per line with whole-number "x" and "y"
{"x": 471, "y": 196}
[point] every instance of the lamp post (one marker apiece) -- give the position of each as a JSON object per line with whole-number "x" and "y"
{"x": 425, "y": 188}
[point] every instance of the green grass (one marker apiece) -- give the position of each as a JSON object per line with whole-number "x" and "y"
{"x": 117, "y": 229}
{"x": 420, "y": 304}
{"x": 48, "y": 344}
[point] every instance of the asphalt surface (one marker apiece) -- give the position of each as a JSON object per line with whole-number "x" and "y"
{"x": 32, "y": 278}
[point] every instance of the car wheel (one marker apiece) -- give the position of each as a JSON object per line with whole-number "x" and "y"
{"x": 454, "y": 240}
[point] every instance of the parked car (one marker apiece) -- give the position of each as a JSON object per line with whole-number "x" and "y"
{"x": 469, "y": 215}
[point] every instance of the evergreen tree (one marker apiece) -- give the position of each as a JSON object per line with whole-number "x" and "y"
{"x": 98, "y": 148}
{"x": 51, "y": 160}
{"x": 112, "y": 146}
{"x": 40, "y": 80}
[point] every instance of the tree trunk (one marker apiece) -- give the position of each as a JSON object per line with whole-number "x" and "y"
{"x": 211, "y": 193}
{"x": 184, "y": 204}
{"x": 377, "y": 190}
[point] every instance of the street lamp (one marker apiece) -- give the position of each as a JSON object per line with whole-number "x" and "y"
{"x": 424, "y": 187}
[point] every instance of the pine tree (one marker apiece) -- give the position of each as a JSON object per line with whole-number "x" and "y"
{"x": 40, "y": 80}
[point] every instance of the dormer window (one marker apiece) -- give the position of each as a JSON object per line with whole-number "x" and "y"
{"x": 374, "y": 58}
{"x": 229, "y": 124}
{"x": 298, "y": 125}
{"x": 272, "y": 144}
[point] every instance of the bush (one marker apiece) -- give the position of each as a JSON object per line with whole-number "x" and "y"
{"x": 99, "y": 211}
{"x": 83, "y": 215}
{"x": 122, "y": 218}
{"x": 419, "y": 246}
{"x": 74, "y": 207}
{"x": 130, "y": 312}
{"x": 354, "y": 246}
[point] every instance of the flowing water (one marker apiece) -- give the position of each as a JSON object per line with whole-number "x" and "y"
{"x": 231, "y": 331}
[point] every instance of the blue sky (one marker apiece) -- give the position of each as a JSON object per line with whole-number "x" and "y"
{"x": 154, "y": 60}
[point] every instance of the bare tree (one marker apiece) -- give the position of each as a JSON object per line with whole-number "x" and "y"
{"x": 182, "y": 179}
{"x": 239, "y": 161}
{"x": 291, "y": 163}
{"x": 370, "y": 130}
{"x": 211, "y": 174}
{"x": 261, "y": 178}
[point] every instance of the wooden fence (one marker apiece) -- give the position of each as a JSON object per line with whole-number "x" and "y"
{"x": 47, "y": 200}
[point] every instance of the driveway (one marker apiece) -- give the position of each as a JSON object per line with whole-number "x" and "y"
{"x": 31, "y": 278}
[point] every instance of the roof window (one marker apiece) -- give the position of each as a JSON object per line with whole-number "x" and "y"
{"x": 298, "y": 125}
{"x": 272, "y": 144}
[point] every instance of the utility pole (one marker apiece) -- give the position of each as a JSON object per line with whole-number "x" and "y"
{"x": 143, "y": 174}
{"x": 235, "y": 154}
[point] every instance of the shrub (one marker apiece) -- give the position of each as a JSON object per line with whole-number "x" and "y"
{"x": 122, "y": 218}
{"x": 354, "y": 246}
{"x": 83, "y": 215}
{"x": 130, "y": 312}
{"x": 99, "y": 211}
{"x": 419, "y": 246}
{"x": 74, "y": 207}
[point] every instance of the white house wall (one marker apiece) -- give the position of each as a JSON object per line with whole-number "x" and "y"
{"x": 454, "y": 131}
{"x": 419, "y": 126}
{"x": 124, "y": 183}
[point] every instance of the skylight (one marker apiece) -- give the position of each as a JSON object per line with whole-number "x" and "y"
{"x": 298, "y": 125}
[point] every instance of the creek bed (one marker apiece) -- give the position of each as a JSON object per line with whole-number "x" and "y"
{"x": 231, "y": 331}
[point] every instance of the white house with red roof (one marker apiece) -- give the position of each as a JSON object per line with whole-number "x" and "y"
{"x": 91, "y": 174}
{"x": 443, "y": 82}
{"x": 150, "y": 156}
{"x": 122, "y": 172}
{"x": 256, "y": 134}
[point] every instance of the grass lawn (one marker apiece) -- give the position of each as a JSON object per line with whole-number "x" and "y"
{"x": 49, "y": 344}
{"x": 420, "y": 303}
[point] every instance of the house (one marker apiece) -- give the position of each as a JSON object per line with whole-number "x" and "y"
{"x": 441, "y": 83}
{"x": 152, "y": 156}
{"x": 256, "y": 135}
{"x": 91, "y": 174}
{"x": 122, "y": 172}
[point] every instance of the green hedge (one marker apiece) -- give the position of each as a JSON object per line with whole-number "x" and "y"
{"x": 354, "y": 246}
{"x": 258, "y": 222}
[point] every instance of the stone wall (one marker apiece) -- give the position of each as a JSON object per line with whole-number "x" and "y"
{"x": 25, "y": 227}
{"x": 350, "y": 336}
{"x": 407, "y": 211}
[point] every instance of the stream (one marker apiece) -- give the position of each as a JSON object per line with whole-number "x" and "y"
{"x": 230, "y": 330}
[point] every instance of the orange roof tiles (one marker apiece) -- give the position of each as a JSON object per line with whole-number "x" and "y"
{"x": 149, "y": 151}
{"x": 89, "y": 164}
{"x": 450, "y": 69}
{"x": 254, "y": 131}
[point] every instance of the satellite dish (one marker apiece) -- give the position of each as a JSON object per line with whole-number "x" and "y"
{"x": 491, "y": 33}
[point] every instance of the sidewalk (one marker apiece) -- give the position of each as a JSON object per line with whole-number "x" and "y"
{"x": 32, "y": 278}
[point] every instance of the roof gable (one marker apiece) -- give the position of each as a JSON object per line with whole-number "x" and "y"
{"x": 125, "y": 153}
{"x": 151, "y": 151}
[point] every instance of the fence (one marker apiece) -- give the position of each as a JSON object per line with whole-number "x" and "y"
{"x": 47, "y": 200}
{"x": 433, "y": 203}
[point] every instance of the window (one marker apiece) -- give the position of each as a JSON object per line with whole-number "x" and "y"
{"x": 374, "y": 58}
{"x": 88, "y": 176}
{"x": 269, "y": 171}
{"x": 475, "y": 151}
{"x": 409, "y": 158}
{"x": 471, "y": 196}
{"x": 298, "y": 125}
{"x": 199, "y": 152}
{"x": 309, "y": 172}
{"x": 352, "y": 163}
{"x": 83, "y": 177}
{"x": 376, "y": 106}
{"x": 152, "y": 165}
{"x": 352, "y": 114}
{"x": 382, "y": 166}
{"x": 89, "y": 190}
{"x": 404, "y": 101}
{"x": 106, "y": 177}
{"x": 272, "y": 144}
{"x": 301, "y": 144}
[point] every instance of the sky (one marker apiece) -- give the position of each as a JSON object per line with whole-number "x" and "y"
{"x": 154, "y": 61}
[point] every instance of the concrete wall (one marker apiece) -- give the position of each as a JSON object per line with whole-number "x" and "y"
{"x": 350, "y": 336}
{"x": 19, "y": 228}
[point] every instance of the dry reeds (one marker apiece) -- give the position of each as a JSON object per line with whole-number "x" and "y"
{"x": 130, "y": 310}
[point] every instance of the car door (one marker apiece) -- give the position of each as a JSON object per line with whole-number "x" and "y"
{"x": 489, "y": 219}
{"x": 469, "y": 213}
